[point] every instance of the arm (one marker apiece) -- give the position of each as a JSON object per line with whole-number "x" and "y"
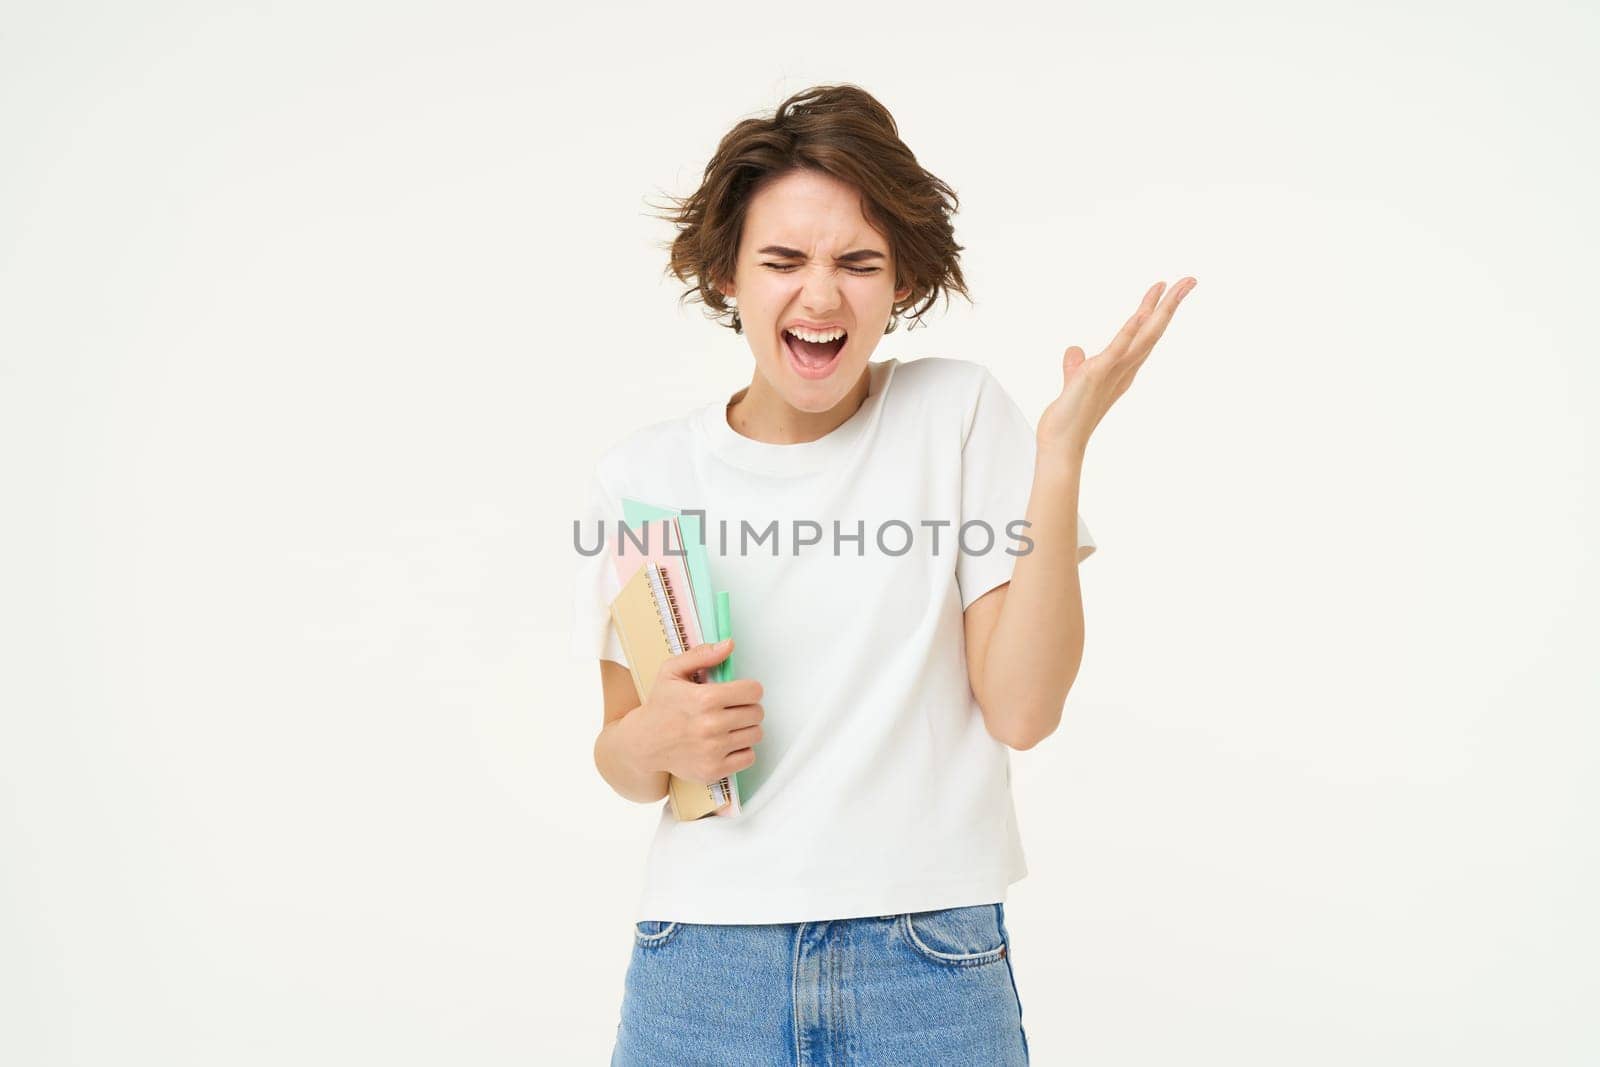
{"x": 616, "y": 751}
{"x": 1025, "y": 638}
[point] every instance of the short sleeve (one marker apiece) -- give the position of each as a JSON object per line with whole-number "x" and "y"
{"x": 997, "y": 458}
{"x": 594, "y": 636}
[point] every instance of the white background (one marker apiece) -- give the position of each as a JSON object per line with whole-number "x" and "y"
{"x": 313, "y": 318}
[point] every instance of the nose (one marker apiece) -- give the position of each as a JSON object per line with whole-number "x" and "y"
{"x": 819, "y": 292}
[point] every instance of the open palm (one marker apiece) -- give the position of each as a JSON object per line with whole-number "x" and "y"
{"x": 1090, "y": 386}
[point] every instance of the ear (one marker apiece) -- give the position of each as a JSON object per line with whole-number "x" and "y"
{"x": 726, "y": 289}
{"x": 901, "y": 294}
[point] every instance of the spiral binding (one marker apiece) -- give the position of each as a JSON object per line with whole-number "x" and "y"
{"x": 678, "y": 642}
{"x": 661, "y": 594}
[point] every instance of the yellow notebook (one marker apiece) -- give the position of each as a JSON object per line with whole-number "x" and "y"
{"x": 650, "y": 627}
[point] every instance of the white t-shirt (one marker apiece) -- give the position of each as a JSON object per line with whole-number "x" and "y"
{"x": 876, "y": 787}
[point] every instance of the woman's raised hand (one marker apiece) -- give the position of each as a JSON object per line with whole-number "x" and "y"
{"x": 700, "y": 731}
{"x": 1090, "y": 386}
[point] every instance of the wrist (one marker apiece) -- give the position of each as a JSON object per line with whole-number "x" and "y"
{"x": 634, "y": 742}
{"x": 1060, "y": 459}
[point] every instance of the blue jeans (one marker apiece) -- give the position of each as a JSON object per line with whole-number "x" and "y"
{"x": 920, "y": 989}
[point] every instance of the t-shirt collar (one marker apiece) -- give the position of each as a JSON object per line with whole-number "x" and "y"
{"x": 805, "y": 457}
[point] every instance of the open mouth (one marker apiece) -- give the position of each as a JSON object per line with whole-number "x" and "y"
{"x": 811, "y": 359}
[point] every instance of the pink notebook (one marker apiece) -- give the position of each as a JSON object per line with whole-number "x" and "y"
{"x": 656, "y": 535}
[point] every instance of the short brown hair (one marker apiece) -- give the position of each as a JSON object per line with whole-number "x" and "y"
{"x": 840, "y": 130}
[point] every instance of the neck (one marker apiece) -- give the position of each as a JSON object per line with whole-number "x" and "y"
{"x": 761, "y": 413}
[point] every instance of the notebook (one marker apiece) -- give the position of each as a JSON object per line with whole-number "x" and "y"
{"x": 635, "y": 512}
{"x": 656, "y": 618}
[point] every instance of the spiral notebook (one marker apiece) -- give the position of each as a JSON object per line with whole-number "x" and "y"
{"x": 656, "y": 618}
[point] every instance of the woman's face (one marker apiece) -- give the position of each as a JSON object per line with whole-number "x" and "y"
{"x": 809, "y": 260}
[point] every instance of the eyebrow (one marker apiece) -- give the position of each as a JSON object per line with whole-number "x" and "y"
{"x": 857, "y": 256}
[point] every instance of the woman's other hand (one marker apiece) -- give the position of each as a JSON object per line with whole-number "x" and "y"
{"x": 1090, "y": 386}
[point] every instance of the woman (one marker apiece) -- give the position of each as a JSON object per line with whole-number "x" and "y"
{"x": 901, "y": 552}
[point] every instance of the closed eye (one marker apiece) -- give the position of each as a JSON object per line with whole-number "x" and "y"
{"x": 785, "y": 268}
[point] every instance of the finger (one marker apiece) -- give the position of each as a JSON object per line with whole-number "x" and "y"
{"x": 1130, "y": 329}
{"x": 697, "y": 658}
{"x": 735, "y": 762}
{"x": 743, "y": 715}
{"x": 739, "y": 691}
{"x": 1156, "y": 324}
{"x": 744, "y": 737}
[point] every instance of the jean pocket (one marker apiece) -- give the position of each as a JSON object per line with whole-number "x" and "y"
{"x": 958, "y": 937}
{"x": 653, "y": 933}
